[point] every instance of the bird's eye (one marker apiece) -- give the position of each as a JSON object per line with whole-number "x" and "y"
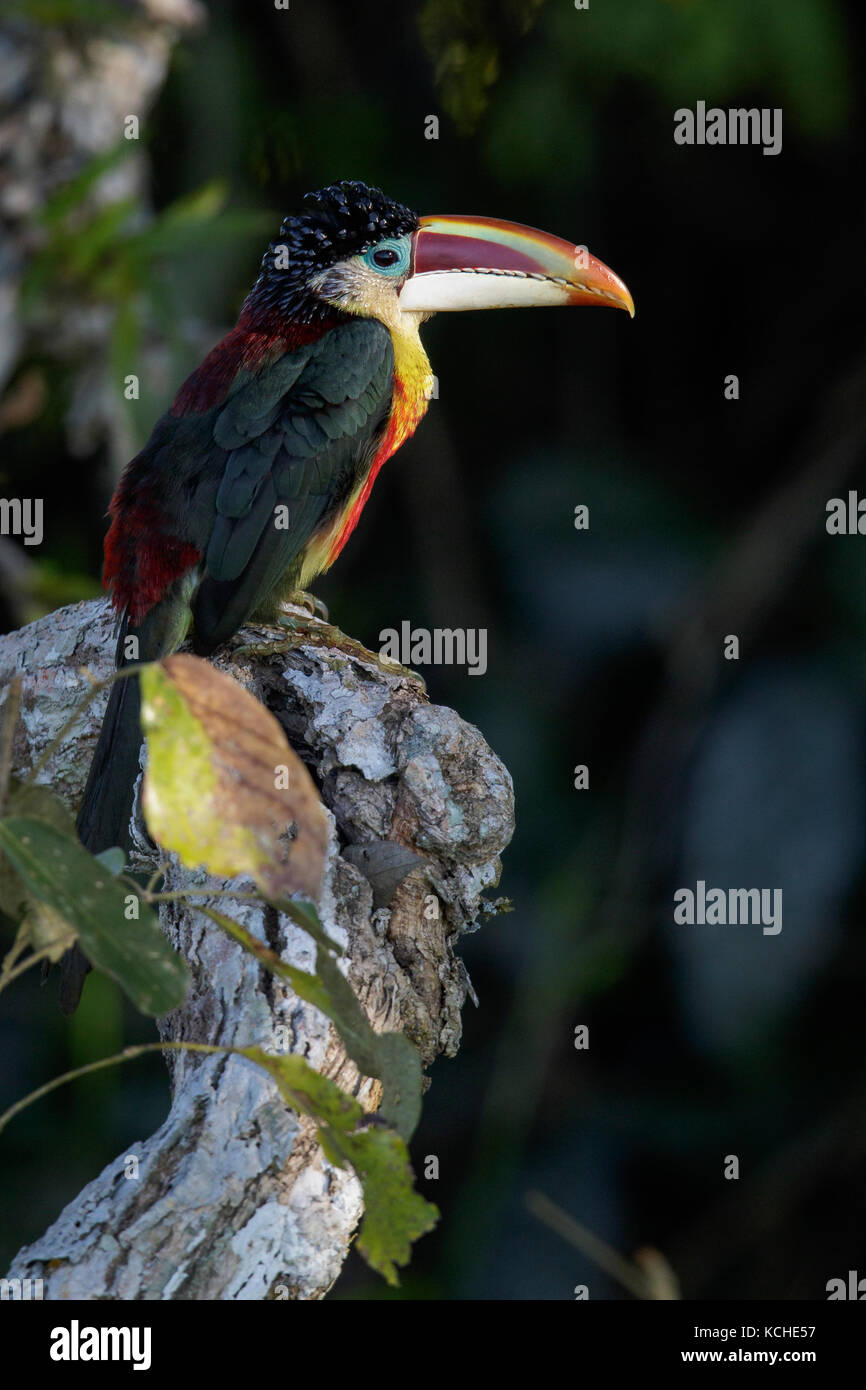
{"x": 390, "y": 257}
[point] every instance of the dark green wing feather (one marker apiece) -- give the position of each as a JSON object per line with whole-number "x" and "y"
{"x": 298, "y": 447}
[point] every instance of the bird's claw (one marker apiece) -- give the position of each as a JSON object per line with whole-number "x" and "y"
{"x": 310, "y": 629}
{"x": 314, "y": 606}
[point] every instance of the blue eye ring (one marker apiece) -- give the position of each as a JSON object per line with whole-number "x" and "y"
{"x": 389, "y": 257}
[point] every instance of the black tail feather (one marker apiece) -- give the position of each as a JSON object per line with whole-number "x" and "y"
{"x": 74, "y": 969}
{"x": 106, "y": 808}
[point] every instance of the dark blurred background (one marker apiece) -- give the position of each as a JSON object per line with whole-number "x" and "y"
{"x": 605, "y": 647}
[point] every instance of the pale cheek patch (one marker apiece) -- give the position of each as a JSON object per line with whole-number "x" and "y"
{"x": 356, "y": 289}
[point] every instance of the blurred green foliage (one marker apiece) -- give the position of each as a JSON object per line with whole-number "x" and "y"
{"x": 673, "y": 47}
{"x": 115, "y": 256}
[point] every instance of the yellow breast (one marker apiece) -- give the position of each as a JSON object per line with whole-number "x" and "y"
{"x": 413, "y": 382}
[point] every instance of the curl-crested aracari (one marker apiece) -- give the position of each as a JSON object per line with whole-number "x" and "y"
{"x": 322, "y": 378}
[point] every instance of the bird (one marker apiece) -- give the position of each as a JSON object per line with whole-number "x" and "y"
{"x": 252, "y": 482}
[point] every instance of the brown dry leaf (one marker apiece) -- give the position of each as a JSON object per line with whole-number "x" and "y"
{"x": 223, "y": 788}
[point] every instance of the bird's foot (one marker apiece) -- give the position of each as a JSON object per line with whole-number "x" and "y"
{"x": 393, "y": 668}
{"x": 302, "y": 630}
{"x": 293, "y": 622}
{"x": 314, "y": 612}
{"x": 314, "y": 606}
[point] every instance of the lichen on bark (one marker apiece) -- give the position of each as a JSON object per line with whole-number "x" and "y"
{"x": 235, "y": 1198}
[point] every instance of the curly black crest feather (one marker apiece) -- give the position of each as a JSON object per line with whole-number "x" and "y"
{"x": 341, "y": 220}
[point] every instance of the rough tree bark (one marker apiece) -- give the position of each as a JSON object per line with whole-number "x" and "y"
{"x": 235, "y": 1199}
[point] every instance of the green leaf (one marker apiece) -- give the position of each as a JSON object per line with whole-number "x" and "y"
{"x": 179, "y": 226}
{"x": 305, "y": 916}
{"x": 394, "y": 1213}
{"x": 307, "y": 1090}
{"x": 400, "y": 1074}
{"x": 76, "y": 190}
{"x": 42, "y": 927}
{"x": 384, "y": 864}
{"x": 13, "y": 893}
{"x": 86, "y": 250}
{"x": 61, "y": 874}
{"x": 35, "y": 800}
{"x": 306, "y": 986}
{"x": 114, "y": 859}
{"x": 389, "y": 1057}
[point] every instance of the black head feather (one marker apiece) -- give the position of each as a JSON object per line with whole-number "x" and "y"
{"x": 341, "y": 220}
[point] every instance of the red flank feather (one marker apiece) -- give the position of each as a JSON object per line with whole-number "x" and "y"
{"x": 141, "y": 560}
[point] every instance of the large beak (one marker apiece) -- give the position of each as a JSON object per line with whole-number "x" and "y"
{"x": 482, "y": 263}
